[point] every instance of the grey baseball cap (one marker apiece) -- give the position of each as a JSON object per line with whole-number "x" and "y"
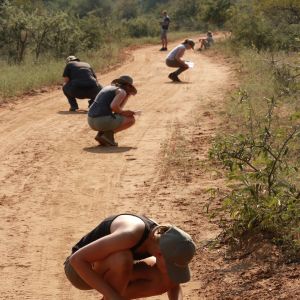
{"x": 178, "y": 249}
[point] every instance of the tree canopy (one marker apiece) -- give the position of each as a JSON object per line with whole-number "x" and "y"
{"x": 54, "y": 27}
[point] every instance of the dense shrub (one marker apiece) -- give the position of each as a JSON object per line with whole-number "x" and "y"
{"x": 142, "y": 26}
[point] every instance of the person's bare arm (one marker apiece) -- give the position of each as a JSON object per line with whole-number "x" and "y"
{"x": 118, "y": 103}
{"x": 175, "y": 293}
{"x": 66, "y": 80}
{"x": 178, "y": 57}
{"x": 98, "y": 250}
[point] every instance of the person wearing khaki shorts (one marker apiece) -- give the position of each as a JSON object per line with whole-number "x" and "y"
{"x": 174, "y": 59}
{"x": 129, "y": 256}
{"x": 106, "y": 115}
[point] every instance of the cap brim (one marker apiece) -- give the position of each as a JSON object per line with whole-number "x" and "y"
{"x": 133, "y": 89}
{"x": 178, "y": 274}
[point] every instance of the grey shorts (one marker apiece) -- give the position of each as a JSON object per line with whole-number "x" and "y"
{"x": 74, "y": 278}
{"x": 106, "y": 123}
{"x": 163, "y": 33}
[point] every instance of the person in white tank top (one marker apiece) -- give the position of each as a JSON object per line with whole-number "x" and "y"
{"x": 174, "y": 59}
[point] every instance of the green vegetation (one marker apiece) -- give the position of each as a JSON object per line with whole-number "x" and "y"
{"x": 260, "y": 151}
{"x": 35, "y": 34}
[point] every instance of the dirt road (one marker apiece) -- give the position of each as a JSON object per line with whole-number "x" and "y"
{"x": 56, "y": 183}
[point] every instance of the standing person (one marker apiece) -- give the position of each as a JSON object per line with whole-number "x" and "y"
{"x": 80, "y": 82}
{"x": 106, "y": 115}
{"x": 164, "y": 30}
{"x": 174, "y": 59}
{"x": 130, "y": 256}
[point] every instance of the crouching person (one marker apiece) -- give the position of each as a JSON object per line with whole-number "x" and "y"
{"x": 80, "y": 81}
{"x": 107, "y": 115}
{"x": 130, "y": 256}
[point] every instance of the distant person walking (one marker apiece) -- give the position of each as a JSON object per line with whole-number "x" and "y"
{"x": 130, "y": 256}
{"x": 174, "y": 59}
{"x": 164, "y": 31}
{"x": 80, "y": 82}
{"x": 106, "y": 115}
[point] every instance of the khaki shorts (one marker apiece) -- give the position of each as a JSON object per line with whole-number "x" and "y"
{"x": 163, "y": 33}
{"x": 106, "y": 123}
{"x": 74, "y": 278}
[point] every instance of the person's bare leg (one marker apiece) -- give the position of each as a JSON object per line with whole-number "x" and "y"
{"x": 127, "y": 122}
{"x": 146, "y": 281}
{"x": 116, "y": 270}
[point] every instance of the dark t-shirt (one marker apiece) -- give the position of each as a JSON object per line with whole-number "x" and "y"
{"x": 165, "y": 23}
{"x": 101, "y": 106}
{"x": 80, "y": 74}
{"x": 103, "y": 229}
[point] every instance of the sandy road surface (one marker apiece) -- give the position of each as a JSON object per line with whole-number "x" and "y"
{"x": 56, "y": 184}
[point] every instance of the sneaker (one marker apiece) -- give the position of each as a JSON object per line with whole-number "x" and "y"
{"x": 111, "y": 136}
{"x": 174, "y": 77}
{"x": 171, "y": 76}
{"x": 97, "y": 137}
{"x": 105, "y": 140}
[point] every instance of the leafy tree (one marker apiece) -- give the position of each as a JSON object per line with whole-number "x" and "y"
{"x": 141, "y": 26}
{"x": 269, "y": 24}
{"x": 66, "y": 36}
{"x": 215, "y": 12}
{"x": 41, "y": 27}
{"x": 94, "y": 30}
{"x": 126, "y": 9}
{"x": 14, "y": 30}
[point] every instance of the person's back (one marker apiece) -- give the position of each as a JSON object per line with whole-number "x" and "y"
{"x": 173, "y": 52}
{"x": 101, "y": 105}
{"x": 80, "y": 74}
{"x": 80, "y": 81}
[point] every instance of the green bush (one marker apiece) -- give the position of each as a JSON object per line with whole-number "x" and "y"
{"x": 272, "y": 25}
{"x": 141, "y": 27}
{"x": 261, "y": 153}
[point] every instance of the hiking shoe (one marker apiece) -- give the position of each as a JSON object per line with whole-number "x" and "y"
{"x": 73, "y": 108}
{"x": 162, "y": 49}
{"x": 106, "y": 141}
{"x": 171, "y": 76}
{"x": 174, "y": 77}
{"x": 97, "y": 137}
{"x": 111, "y": 136}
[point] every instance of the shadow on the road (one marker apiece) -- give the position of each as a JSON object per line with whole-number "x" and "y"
{"x": 182, "y": 82}
{"x": 101, "y": 149}
{"x": 78, "y": 112}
